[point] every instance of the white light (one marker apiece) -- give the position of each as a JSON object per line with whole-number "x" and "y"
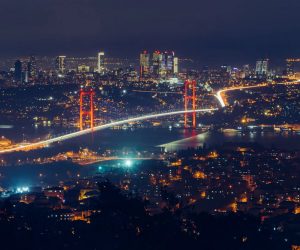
{"x": 128, "y": 163}
{"x": 22, "y": 190}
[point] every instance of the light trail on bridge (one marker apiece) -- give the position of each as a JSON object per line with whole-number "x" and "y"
{"x": 157, "y": 92}
{"x": 44, "y": 143}
{"x": 218, "y": 95}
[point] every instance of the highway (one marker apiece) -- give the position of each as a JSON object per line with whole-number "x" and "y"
{"x": 222, "y": 100}
{"x": 44, "y": 143}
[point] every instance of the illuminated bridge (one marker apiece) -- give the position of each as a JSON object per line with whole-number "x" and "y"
{"x": 44, "y": 143}
{"x": 219, "y": 95}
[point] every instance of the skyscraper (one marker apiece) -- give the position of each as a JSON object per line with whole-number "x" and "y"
{"x": 60, "y": 64}
{"x": 246, "y": 70}
{"x": 160, "y": 65}
{"x": 169, "y": 63}
{"x": 18, "y": 71}
{"x": 144, "y": 64}
{"x": 157, "y": 60}
{"x": 100, "y": 62}
{"x": 32, "y": 68}
{"x": 176, "y": 67}
{"x": 262, "y": 66}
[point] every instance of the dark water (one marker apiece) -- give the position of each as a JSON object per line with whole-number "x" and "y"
{"x": 171, "y": 139}
{"x": 174, "y": 139}
{"x": 286, "y": 141}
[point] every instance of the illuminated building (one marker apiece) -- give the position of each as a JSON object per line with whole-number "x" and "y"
{"x": 261, "y": 69}
{"x": 168, "y": 65}
{"x": 60, "y": 64}
{"x": 83, "y": 69}
{"x": 157, "y": 59}
{"x": 246, "y": 70}
{"x": 162, "y": 64}
{"x": 176, "y": 67}
{"x": 100, "y": 62}
{"x": 32, "y": 68}
{"x": 144, "y": 64}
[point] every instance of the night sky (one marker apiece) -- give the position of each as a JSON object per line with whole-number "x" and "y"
{"x": 209, "y": 30}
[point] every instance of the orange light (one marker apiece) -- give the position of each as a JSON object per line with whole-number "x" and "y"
{"x": 187, "y": 85}
{"x": 90, "y": 112}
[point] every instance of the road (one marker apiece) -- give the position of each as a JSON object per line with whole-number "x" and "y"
{"x": 220, "y": 94}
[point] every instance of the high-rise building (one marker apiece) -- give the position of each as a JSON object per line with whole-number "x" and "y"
{"x": 246, "y": 70}
{"x": 32, "y": 68}
{"x": 161, "y": 64}
{"x": 18, "y": 71}
{"x": 169, "y": 63}
{"x": 262, "y": 67}
{"x": 60, "y": 64}
{"x": 144, "y": 64}
{"x": 100, "y": 62}
{"x": 176, "y": 66}
{"x": 157, "y": 63}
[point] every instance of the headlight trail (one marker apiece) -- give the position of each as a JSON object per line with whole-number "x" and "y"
{"x": 222, "y": 100}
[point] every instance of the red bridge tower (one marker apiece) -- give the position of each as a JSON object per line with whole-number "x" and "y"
{"x": 86, "y": 116}
{"x": 190, "y": 95}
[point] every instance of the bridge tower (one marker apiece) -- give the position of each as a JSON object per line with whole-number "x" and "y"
{"x": 190, "y": 96}
{"x": 86, "y": 96}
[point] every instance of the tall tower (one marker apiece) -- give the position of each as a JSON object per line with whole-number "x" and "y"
{"x": 86, "y": 112}
{"x": 32, "y": 68}
{"x": 169, "y": 63}
{"x": 157, "y": 59}
{"x": 175, "y": 65}
{"x": 144, "y": 64}
{"x": 190, "y": 95}
{"x": 60, "y": 64}
{"x": 100, "y": 62}
{"x": 262, "y": 67}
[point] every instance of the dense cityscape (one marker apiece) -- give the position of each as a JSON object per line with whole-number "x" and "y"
{"x": 154, "y": 147}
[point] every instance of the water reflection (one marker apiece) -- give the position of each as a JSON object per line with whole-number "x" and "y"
{"x": 211, "y": 138}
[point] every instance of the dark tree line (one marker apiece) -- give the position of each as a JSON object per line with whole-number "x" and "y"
{"x": 124, "y": 223}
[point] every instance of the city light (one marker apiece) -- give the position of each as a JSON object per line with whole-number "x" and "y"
{"x": 128, "y": 163}
{"x": 21, "y": 190}
{"x": 118, "y": 144}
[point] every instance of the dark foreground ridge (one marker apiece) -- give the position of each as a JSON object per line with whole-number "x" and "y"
{"x": 122, "y": 222}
